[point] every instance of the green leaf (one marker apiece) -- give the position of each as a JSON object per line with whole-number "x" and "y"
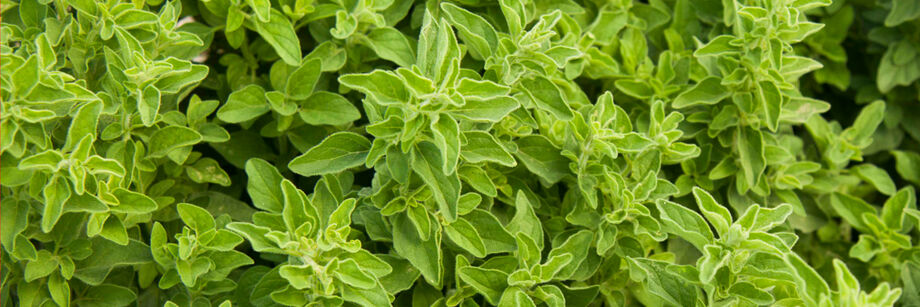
{"x": 663, "y": 282}
{"x": 345, "y": 25}
{"x": 860, "y": 134}
{"x": 714, "y": 258}
{"x": 481, "y": 147}
{"x": 148, "y": 104}
{"x": 515, "y": 297}
{"x": 635, "y": 89}
{"x": 23, "y": 248}
{"x": 438, "y": 51}
{"x": 56, "y": 193}
{"x": 207, "y": 170}
{"x": 447, "y": 137}
{"x": 528, "y": 253}
{"x": 190, "y": 270}
{"x": 495, "y": 237}
{"x": 419, "y": 217}
{"x": 376, "y": 296}
{"x": 83, "y": 124}
{"x": 749, "y": 144}
{"x": 326, "y": 108}
{"x": 165, "y": 140}
{"x": 490, "y": 283}
{"x": 908, "y": 165}
{"x": 244, "y": 104}
{"x": 382, "y": 86}
{"x": 15, "y": 219}
{"x": 894, "y": 208}
{"x": 41, "y": 267}
{"x": 107, "y": 295}
{"x": 173, "y": 83}
{"x": 402, "y": 276}
{"x": 301, "y": 82}
{"x": 372, "y": 263}
{"x": 418, "y": 85}
{"x": 852, "y": 209}
{"x": 114, "y": 230}
{"x": 256, "y": 235}
{"x": 542, "y": 158}
{"x": 632, "y": 142}
{"x": 768, "y": 218}
{"x": 478, "y": 179}
{"x": 59, "y": 289}
{"x": 465, "y": 235}
{"x": 350, "y": 273}
{"x": 771, "y": 101}
{"x": 810, "y": 285}
{"x": 484, "y": 90}
{"x": 875, "y": 176}
{"x": 910, "y": 278}
{"x": 212, "y": 133}
{"x": 708, "y": 91}
{"x": 716, "y": 214}
{"x": 106, "y": 256}
{"x": 85, "y": 6}
{"x": 685, "y": 223}
{"x": 46, "y": 160}
{"x": 262, "y": 8}
{"x": 98, "y": 165}
{"x": 846, "y": 282}
{"x": 224, "y": 240}
{"x": 197, "y": 218}
{"x": 475, "y": 31}
{"x": 445, "y": 189}
{"x": 425, "y": 255}
{"x": 397, "y": 164}
{"x": 332, "y": 56}
{"x": 133, "y": 202}
{"x": 902, "y": 11}
{"x": 525, "y": 220}
{"x": 606, "y": 238}
{"x": 26, "y": 77}
{"x": 133, "y": 18}
{"x": 579, "y": 296}
{"x": 341, "y": 217}
{"x": 577, "y": 246}
{"x": 279, "y": 33}
{"x": 515, "y": 15}
{"x": 392, "y": 45}
{"x": 719, "y": 45}
{"x": 490, "y": 110}
{"x": 551, "y": 295}
{"x": 336, "y": 153}
{"x": 264, "y": 185}
{"x": 547, "y": 96}
{"x": 751, "y": 293}
{"x": 608, "y": 24}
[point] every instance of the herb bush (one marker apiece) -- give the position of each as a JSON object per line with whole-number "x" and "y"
{"x": 464, "y": 152}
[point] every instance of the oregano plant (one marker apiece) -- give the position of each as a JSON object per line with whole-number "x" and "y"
{"x": 459, "y": 153}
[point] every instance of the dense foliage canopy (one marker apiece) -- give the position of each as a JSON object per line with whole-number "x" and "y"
{"x": 460, "y": 152}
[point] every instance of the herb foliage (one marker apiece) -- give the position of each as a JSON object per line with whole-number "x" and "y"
{"x": 459, "y": 153}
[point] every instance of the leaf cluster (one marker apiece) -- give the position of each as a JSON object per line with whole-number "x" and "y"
{"x": 459, "y": 153}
